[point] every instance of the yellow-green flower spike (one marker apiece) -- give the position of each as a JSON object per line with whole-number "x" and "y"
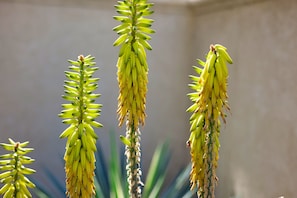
{"x": 132, "y": 66}
{"x": 80, "y": 114}
{"x": 132, "y": 75}
{"x": 209, "y": 104}
{"x": 14, "y": 176}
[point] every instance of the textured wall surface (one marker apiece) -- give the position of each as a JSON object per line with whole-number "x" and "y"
{"x": 258, "y": 145}
{"x": 257, "y": 157}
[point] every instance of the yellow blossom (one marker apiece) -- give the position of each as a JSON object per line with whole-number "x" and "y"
{"x": 132, "y": 74}
{"x": 80, "y": 114}
{"x": 209, "y": 104}
{"x": 13, "y": 164}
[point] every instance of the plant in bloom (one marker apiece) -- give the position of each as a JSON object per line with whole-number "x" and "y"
{"x": 209, "y": 105}
{"x": 132, "y": 74}
{"x": 14, "y": 176}
{"x": 80, "y": 114}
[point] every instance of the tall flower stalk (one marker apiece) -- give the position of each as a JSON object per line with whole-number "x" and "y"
{"x": 14, "y": 176}
{"x": 80, "y": 114}
{"x": 209, "y": 105}
{"x": 132, "y": 74}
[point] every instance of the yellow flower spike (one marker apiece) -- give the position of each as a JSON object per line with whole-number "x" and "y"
{"x": 136, "y": 28}
{"x": 81, "y": 137}
{"x": 132, "y": 78}
{"x": 15, "y": 182}
{"x": 209, "y": 103}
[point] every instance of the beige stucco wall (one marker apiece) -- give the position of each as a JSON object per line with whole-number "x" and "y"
{"x": 258, "y": 153}
{"x": 257, "y": 157}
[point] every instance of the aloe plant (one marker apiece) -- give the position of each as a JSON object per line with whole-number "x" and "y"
{"x": 210, "y": 102}
{"x": 14, "y": 176}
{"x": 111, "y": 176}
{"x": 132, "y": 78}
{"x": 80, "y": 114}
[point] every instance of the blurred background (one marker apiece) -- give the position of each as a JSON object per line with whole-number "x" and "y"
{"x": 258, "y": 155}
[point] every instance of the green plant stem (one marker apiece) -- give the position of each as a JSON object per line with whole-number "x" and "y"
{"x": 16, "y": 158}
{"x": 81, "y": 92}
{"x": 133, "y": 161}
{"x": 134, "y": 20}
{"x": 210, "y": 169}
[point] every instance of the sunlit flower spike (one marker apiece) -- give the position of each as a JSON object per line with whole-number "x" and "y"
{"x": 132, "y": 74}
{"x": 209, "y": 105}
{"x": 80, "y": 115}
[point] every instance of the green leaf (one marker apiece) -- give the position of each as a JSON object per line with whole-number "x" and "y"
{"x": 116, "y": 186}
{"x": 157, "y": 171}
{"x": 180, "y": 185}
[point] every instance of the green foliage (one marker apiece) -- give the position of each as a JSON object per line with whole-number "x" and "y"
{"x": 15, "y": 182}
{"x": 111, "y": 178}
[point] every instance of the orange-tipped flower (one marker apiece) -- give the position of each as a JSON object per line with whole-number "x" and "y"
{"x": 210, "y": 102}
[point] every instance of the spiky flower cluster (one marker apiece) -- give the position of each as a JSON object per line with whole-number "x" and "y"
{"x": 15, "y": 182}
{"x": 210, "y": 102}
{"x": 132, "y": 74}
{"x": 80, "y": 114}
{"x": 132, "y": 64}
